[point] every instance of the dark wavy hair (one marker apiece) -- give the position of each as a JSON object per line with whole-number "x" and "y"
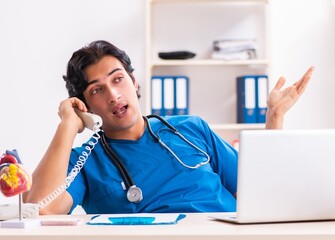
{"x": 75, "y": 79}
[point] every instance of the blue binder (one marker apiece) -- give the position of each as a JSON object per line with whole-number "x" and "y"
{"x": 168, "y": 95}
{"x": 262, "y": 96}
{"x": 246, "y": 99}
{"x": 181, "y": 96}
{"x": 157, "y": 95}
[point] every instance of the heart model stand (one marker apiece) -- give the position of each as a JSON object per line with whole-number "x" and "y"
{"x": 14, "y": 180}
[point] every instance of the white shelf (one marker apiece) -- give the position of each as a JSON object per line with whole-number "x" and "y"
{"x": 238, "y": 126}
{"x": 209, "y": 62}
{"x": 230, "y": 132}
{"x": 207, "y": 1}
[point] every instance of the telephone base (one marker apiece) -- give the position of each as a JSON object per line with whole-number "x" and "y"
{"x": 11, "y": 211}
{"x": 17, "y": 223}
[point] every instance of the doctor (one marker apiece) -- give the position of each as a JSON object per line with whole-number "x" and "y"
{"x": 198, "y": 174}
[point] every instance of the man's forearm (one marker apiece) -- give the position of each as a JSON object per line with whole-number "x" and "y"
{"x": 52, "y": 169}
{"x": 274, "y": 120}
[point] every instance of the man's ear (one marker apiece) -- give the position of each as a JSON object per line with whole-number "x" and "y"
{"x": 136, "y": 84}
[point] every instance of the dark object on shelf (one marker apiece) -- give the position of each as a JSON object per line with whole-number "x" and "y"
{"x": 176, "y": 55}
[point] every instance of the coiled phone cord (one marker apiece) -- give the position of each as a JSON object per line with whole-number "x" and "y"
{"x": 72, "y": 175}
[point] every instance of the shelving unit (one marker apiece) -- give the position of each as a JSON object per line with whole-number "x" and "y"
{"x": 193, "y": 25}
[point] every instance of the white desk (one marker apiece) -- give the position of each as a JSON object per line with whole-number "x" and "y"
{"x": 194, "y": 226}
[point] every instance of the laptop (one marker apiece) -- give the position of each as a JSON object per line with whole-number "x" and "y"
{"x": 285, "y": 176}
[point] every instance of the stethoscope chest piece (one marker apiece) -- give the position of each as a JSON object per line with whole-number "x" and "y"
{"x": 134, "y": 194}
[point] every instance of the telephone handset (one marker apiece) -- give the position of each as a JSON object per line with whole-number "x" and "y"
{"x": 91, "y": 121}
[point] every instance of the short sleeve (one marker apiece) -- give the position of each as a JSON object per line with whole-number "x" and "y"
{"x": 224, "y": 159}
{"x": 77, "y": 188}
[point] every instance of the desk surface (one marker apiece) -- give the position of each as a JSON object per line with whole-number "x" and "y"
{"x": 194, "y": 226}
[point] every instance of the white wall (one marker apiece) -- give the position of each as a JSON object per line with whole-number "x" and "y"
{"x": 38, "y": 37}
{"x": 302, "y": 34}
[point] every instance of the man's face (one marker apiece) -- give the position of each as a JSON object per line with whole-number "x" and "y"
{"x": 111, "y": 94}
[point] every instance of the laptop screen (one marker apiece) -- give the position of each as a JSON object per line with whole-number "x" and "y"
{"x": 286, "y": 175}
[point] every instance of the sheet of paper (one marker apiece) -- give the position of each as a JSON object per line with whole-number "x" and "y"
{"x": 136, "y": 219}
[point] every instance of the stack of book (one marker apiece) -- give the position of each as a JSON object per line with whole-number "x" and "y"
{"x": 234, "y": 49}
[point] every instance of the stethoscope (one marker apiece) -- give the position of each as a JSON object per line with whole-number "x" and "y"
{"x": 134, "y": 193}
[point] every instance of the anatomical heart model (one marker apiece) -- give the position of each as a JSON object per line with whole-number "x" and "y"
{"x": 13, "y": 178}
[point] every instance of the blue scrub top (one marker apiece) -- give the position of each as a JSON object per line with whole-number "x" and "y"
{"x": 167, "y": 186}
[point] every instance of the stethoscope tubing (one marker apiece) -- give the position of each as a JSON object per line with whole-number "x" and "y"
{"x": 117, "y": 162}
{"x": 175, "y": 131}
